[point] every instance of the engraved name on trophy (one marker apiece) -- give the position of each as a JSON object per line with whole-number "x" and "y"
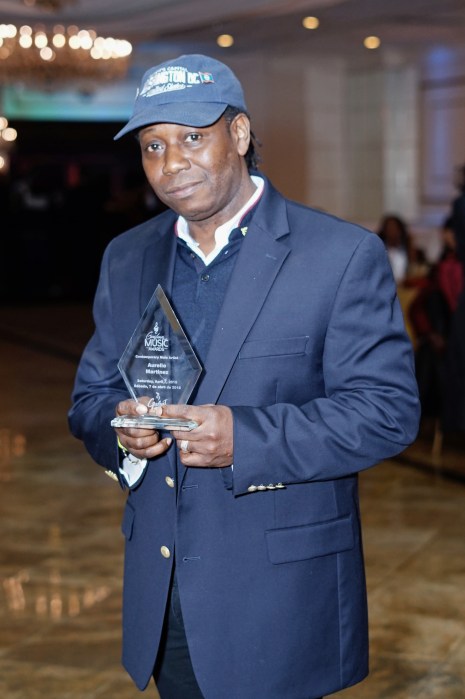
{"x": 160, "y": 363}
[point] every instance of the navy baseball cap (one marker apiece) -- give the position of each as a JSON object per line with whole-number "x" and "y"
{"x": 192, "y": 90}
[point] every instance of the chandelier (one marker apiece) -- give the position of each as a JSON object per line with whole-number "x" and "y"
{"x": 49, "y": 57}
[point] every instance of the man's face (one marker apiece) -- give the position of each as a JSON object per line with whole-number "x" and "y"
{"x": 200, "y": 173}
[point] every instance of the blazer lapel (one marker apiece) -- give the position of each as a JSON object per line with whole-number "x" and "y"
{"x": 158, "y": 268}
{"x": 262, "y": 254}
{"x": 158, "y": 263}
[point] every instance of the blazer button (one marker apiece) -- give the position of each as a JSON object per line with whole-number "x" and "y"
{"x": 271, "y": 486}
{"x": 165, "y": 552}
{"x": 261, "y": 487}
{"x": 112, "y": 475}
{"x": 169, "y": 481}
{"x": 280, "y": 485}
{"x": 252, "y": 488}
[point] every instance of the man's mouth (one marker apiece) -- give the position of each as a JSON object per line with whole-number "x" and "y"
{"x": 182, "y": 190}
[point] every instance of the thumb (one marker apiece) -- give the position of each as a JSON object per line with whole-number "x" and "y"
{"x": 172, "y": 410}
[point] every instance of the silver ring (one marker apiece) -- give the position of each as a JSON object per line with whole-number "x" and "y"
{"x": 185, "y": 445}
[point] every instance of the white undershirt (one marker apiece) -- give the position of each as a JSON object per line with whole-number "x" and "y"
{"x": 222, "y": 233}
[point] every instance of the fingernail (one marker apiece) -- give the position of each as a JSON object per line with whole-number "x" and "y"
{"x": 141, "y": 409}
{"x": 169, "y": 441}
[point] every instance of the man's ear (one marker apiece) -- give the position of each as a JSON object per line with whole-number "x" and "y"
{"x": 240, "y": 129}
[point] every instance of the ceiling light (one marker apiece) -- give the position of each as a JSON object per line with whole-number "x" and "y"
{"x": 311, "y": 22}
{"x": 225, "y": 40}
{"x": 9, "y": 134}
{"x": 372, "y": 42}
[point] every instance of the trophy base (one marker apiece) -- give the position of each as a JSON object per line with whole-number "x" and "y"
{"x": 150, "y": 422}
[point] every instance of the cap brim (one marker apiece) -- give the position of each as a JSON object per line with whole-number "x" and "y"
{"x": 198, "y": 114}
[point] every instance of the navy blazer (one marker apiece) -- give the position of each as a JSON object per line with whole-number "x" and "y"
{"x": 311, "y": 353}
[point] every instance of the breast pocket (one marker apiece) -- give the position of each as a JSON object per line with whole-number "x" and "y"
{"x": 273, "y": 370}
{"x": 274, "y": 347}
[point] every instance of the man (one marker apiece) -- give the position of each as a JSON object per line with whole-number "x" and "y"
{"x": 244, "y": 574}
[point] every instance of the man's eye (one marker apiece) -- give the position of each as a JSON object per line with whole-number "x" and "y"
{"x": 153, "y": 147}
{"x": 193, "y": 137}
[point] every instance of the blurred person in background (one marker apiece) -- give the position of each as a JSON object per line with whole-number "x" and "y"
{"x": 454, "y": 407}
{"x": 395, "y": 235}
{"x": 431, "y": 314}
{"x": 458, "y": 215}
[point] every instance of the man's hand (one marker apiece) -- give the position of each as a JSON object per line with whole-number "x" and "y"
{"x": 210, "y": 445}
{"x": 141, "y": 442}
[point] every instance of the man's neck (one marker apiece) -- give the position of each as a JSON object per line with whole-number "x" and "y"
{"x": 222, "y": 232}
{"x": 203, "y": 232}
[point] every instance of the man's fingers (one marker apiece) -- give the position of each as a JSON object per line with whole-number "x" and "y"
{"x": 172, "y": 410}
{"x": 159, "y": 448}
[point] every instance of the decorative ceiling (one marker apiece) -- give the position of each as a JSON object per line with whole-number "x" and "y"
{"x": 256, "y": 25}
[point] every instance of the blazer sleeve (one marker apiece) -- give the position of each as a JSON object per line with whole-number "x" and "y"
{"x": 98, "y": 386}
{"x": 370, "y": 408}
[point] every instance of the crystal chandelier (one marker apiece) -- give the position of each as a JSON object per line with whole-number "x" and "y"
{"x": 49, "y": 57}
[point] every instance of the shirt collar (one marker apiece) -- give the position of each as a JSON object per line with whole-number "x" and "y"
{"x": 222, "y": 232}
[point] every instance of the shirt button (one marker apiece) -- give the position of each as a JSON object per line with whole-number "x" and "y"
{"x": 169, "y": 481}
{"x": 205, "y": 277}
{"x": 165, "y": 552}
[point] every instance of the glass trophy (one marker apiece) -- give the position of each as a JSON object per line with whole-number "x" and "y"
{"x": 158, "y": 363}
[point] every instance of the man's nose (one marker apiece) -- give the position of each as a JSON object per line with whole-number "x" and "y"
{"x": 174, "y": 160}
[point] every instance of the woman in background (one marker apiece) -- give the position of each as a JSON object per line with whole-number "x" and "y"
{"x": 394, "y": 233}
